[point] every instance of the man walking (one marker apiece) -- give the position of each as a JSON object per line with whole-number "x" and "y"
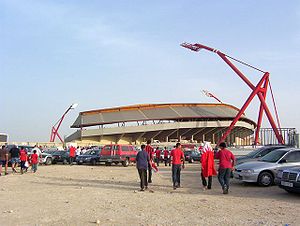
{"x": 23, "y": 159}
{"x": 142, "y": 163}
{"x": 149, "y": 150}
{"x": 157, "y": 155}
{"x": 166, "y": 157}
{"x": 15, "y": 157}
{"x": 226, "y": 165}
{"x": 72, "y": 154}
{"x": 3, "y": 159}
{"x": 177, "y": 157}
{"x": 207, "y": 165}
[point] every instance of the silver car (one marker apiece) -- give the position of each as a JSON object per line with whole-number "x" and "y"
{"x": 264, "y": 171}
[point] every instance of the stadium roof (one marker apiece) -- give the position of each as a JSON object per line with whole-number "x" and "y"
{"x": 146, "y": 112}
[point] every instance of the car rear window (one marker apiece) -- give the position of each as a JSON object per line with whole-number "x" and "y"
{"x": 274, "y": 156}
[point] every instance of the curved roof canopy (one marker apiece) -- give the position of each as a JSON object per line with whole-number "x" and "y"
{"x": 145, "y": 112}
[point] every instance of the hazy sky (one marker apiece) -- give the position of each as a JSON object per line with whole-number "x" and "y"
{"x": 112, "y": 53}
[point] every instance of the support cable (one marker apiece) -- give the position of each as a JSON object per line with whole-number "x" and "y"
{"x": 248, "y": 65}
{"x": 275, "y": 108}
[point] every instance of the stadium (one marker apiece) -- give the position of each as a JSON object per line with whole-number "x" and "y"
{"x": 184, "y": 122}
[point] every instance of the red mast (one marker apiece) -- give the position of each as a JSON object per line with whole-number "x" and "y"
{"x": 259, "y": 90}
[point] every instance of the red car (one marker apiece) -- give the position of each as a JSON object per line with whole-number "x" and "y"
{"x": 118, "y": 153}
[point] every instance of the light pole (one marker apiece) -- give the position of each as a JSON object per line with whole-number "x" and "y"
{"x": 55, "y": 127}
{"x": 209, "y": 94}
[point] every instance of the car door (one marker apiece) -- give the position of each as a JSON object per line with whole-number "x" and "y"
{"x": 107, "y": 152}
{"x": 290, "y": 159}
{"x": 115, "y": 154}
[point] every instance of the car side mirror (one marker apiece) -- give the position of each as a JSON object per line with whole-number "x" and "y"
{"x": 283, "y": 161}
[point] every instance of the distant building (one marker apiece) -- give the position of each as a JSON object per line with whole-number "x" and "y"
{"x": 3, "y": 137}
{"x": 195, "y": 122}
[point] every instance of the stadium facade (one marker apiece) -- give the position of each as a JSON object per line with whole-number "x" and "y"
{"x": 191, "y": 122}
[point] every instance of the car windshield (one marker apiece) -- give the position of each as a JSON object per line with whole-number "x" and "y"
{"x": 92, "y": 152}
{"x": 58, "y": 153}
{"x": 273, "y": 156}
{"x": 255, "y": 152}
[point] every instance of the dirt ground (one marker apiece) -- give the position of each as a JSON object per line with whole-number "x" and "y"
{"x": 81, "y": 195}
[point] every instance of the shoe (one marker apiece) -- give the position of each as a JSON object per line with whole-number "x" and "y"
{"x": 174, "y": 187}
{"x": 142, "y": 189}
{"x": 209, "y": 188}
{"x": 150, "y": 181}
{"x": 204, "y": 188}
{"x": 225, "y": 190}
{"x": 146, "y": 188}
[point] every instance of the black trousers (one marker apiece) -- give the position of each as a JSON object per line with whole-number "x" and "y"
{"x": 157, "y": 161}
{"x": 143, "y": 178}
{"x": 166, "y": 159}
{"x": 206, "y": 183}
{"x": 224, "y": 177}
{"x": 176, "y": 170}
{"x": 149, "y": 173}
{"x": 71, "y": 160}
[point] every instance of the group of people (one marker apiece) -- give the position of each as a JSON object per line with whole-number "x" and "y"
{"x": 158, "y": 156}
{"x": 145, "y": 164}
{"x": 19, "y": 156}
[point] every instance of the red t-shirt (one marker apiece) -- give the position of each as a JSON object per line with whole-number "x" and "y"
{"x": 157, "y": 153}
{"x": 149, "y": 150}
{"x": 34, "y": 158}
{"x": 226, "y": 158}
{"x": 72, "y": 151}
{"x": 166, "y": 153}
{"x": 177, "y": 155}
{"x": 23, "y": 155}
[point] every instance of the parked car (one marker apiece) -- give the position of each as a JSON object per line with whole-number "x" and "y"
{"x": 289, "y": 179}
{"x": 91, "y": 157}
{"x": 50, "y": 150}
{"x": 263, "y": 171}
{"x": 61, "y": 156}
{"x": 192, "y": 155}
{"x": 46, "y": 158}
{"x": 118, "y": 153}
{"x": 258, "y": 153}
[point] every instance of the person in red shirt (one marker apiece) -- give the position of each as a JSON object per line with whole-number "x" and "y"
{"x": 149, "y": 149}
{"x": 177, "y": 157}
{"x": 207, "y": 166}
{"x": 72, "y": 154}
{"x": 226, "y": 165}
{"x": 157, "y": 155}
{"x": 166, "y": 157}
{"x": 23, "y": 159}
{"x": 34, "y": 161}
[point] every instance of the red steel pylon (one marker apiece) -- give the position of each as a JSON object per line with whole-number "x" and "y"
{"x": 259, "y": 90}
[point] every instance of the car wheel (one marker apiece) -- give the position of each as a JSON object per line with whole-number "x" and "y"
{"x": 93, "y": 162}
{"x": 108, "y": 163}
{"x": 265, "y": 179}
{"x": 126, "y": 162}
{"x": 48, "y": 161}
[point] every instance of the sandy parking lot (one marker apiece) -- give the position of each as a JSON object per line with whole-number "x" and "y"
{"x": 81, "y": 195}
